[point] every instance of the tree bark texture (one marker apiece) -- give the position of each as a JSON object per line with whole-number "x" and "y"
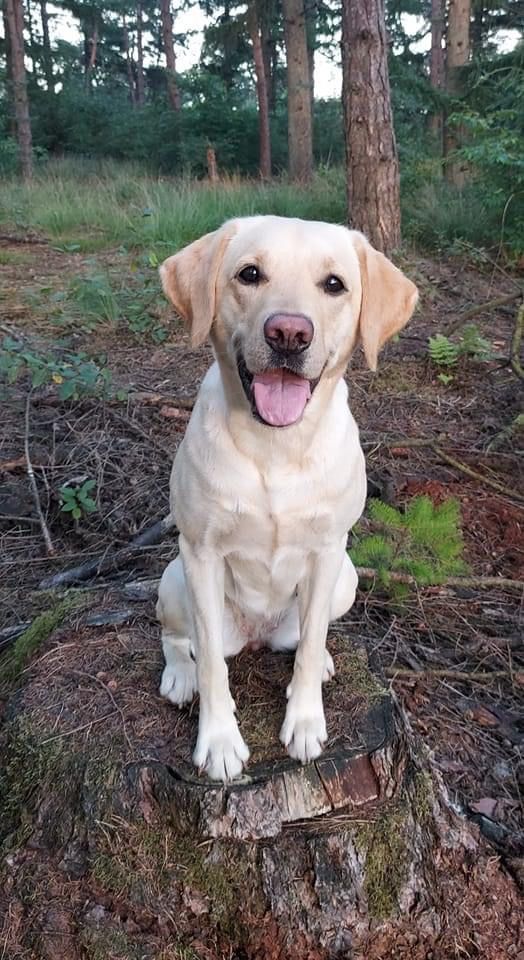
{"x": 140, "y": 80}
{"x": 47, "y": 59}
{"x": 437, "y": 71}
{"x": 300, "y": 132}
{"x": 173, "y": 92}
{"x": 457, "y": 56}
{"x": 8, "y": 75}
{"x": 129, "y": 62}
{"x": 91, "y": 49}
{"x": 266, "y": 13}
{"x": 311, "y": 11}
{"x": 15, "y": 24}
{"x": 262, "y": 92}
{"x": 371, "y": 153}
{"x": 113, "y": 845}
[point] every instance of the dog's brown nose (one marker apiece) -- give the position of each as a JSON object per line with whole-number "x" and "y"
{"x": 288, "y": 332}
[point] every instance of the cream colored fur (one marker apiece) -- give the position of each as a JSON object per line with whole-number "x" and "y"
{"x": 264, "y": 512}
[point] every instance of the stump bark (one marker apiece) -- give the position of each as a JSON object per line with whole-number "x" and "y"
{"x": 114, "y": 847}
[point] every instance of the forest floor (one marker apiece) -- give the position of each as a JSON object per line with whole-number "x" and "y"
{"x": 453, "y": 656}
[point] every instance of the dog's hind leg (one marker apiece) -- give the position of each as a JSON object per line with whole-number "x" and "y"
{"x": 179, "y": 680}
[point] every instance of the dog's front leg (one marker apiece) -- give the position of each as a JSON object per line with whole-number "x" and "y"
{"x": 304, "y": 728}
{"x": 220, "y": 749}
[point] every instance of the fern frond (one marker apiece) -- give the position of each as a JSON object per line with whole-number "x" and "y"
{"x": 442, "y": 351}
{"x": 385, "y": 514}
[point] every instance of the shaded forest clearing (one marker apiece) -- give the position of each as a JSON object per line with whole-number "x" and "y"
{"x": 128, "y": 886}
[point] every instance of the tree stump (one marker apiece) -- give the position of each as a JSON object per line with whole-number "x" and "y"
{"x": 113, "y": 847}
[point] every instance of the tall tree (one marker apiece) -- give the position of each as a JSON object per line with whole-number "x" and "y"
{"x": 47, "y": 59}
{"x": 173, "y": 92}
{"x": 129, "y": 62}
{"x": 457, "y": 56}
{"x": 437, "y": 67}
{"x": 140, "y": 78}
{"x": 262, "y": 91}
{"x": 373, "y": 182}
{"x": 15, "y": 26}
{"x": 299, "y": 120}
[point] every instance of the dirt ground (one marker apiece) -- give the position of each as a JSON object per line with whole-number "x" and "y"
{"x": 454, "y": 657}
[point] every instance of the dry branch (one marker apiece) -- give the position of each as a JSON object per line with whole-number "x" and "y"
{"x": 403, "y": 673}
{"x": 109, "y": 561}
{"x": 32, "y": 481}
{"x": 478, "y": 308}
{"x": 453, "y": 462}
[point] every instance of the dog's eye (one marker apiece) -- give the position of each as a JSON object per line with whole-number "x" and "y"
{"x": 250, "y": 275}
{"x": 333, "y": 284}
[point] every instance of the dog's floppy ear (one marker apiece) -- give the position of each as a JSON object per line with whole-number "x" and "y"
{"x": 189, "y": 279}
{"x": 388, "y": 299}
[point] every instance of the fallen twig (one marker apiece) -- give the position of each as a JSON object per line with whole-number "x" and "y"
{"x": 453, "y": 462}
{"x": 110, "y": 561}
{"x": 481, "y": 308}
{"x": 34, "y": 488}
{"x": 403, "y": 673}
{"x": 502, "y": 583}
{"x": 16, "y": 238}
{"x": 463, "y": 467}
{"x": 147, "y": 589}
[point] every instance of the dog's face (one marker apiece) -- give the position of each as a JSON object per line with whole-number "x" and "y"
{"x": 286, "y": 300}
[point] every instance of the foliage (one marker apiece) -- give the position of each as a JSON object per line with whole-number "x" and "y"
{"x": 442, "y": 351}
{"x": 445, "y": 353}
{"x": 76, "y": 500}
{"x": 96, "y": 204}
{"x": 424, "y": 541}
{"x": 75, "y": 374}
{"x": 95, "y": 298}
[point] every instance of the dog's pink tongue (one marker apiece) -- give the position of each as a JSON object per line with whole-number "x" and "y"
{"x": 280, "y": 396}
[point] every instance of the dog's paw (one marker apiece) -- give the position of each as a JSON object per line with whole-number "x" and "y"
{"x": 220, "y": 750}
{"x": 329, "y": 668}
{"x": 303, "y": 732}
{"x": 179, "y": 683}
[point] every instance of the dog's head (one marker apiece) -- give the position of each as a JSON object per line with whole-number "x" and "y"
{"x": 285, "y": 302}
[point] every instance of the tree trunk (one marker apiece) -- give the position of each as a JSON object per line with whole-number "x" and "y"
{"x": 269, "y": 51}
{"x": 300, "y": 135}
{"x": 91, "y": 47}
{"x": 15, "y": 25}
{"x": 8, "y": 76}
{"x": 211, "y": 162}
{"x": 31, "y": 49}
{"x": 140, "y": 82}
{"x": 129, "y": 64}
{"x": 310, "y": 11}
{"x": 47, "y": 59}
{"x": 371, "y": 152}
{"x": 114, "y": 846}
{"x": 437, "y": 71}
{"x": 457, "y": 56}
{"x": 262, "y": 95}
{"x": 173, "y": 92}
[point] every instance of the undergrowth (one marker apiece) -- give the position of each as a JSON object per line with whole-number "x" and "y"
{"x": 423, "y": 541}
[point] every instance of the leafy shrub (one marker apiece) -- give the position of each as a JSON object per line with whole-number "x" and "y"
{"x": 444, "y": 353}
{"x": 424, "y": 541}
{"x": 76, "y": 500}
{"x": 75, "y": 374}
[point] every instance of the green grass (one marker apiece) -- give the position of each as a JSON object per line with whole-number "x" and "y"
{"x": 88, "y": 208}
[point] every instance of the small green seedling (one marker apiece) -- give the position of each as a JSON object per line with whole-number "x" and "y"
{"x": 76, "y": 500}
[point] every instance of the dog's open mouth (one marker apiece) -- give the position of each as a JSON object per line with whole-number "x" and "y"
{"x": 278, "y": 397}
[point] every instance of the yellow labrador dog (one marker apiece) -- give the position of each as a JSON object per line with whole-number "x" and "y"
{"x": 270, "y": 476}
